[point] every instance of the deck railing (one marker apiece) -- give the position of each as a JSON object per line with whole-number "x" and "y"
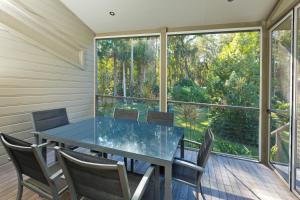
{"x": 235, "y": 127}
{"x": 279, "y": 136}
{"x": 279, "y": 142}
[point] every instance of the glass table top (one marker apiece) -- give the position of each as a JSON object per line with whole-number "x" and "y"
{"x": 133, "y": 137}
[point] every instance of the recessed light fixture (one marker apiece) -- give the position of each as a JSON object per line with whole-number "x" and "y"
{"x": 111, "y": 13}
{"x": 230, "y": 0}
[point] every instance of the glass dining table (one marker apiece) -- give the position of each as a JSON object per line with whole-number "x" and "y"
{"x": 151, "y": 143}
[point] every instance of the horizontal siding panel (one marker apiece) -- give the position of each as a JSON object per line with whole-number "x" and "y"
{"x": 33, "y": 79}
{"x": 13, "y": 128}
{"x": 27, "y": 56}
{"x": 42, "y": 57}
{"x": 53, "y": 11}
{"x": 15, "y": 101}
{"x": 16, "y": 46}
{"x": 86, "y": 107}
{"x": 28, "y": 74}
{"x": 14, "y": 119}
{"x": 24, "y": 135}
{"x": 34, "y": 83}
{"x": 37, "y": 107}
{"x": 33, "y": 65}
{"x": 5, "y": 34}
{"x": 78, "y": 117}
{"x": 24, "y": 92}
{"x": 42, "y": 106}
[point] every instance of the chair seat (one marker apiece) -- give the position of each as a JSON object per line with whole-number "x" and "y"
{"x": 60, "y": 182}
{"x": 134, "y": 180}
{"x": 72, "y": 147}
{"x": 184, "y": 173}
{"x": 94, "y": 183}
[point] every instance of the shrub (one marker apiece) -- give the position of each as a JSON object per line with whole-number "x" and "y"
{"x": 186, "y": 90}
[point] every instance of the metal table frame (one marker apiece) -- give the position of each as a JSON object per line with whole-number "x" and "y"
{"x": 39, "y": 137}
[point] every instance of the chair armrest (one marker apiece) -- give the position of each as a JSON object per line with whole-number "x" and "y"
{"x": 189, "y": 165}
{"x": 43, "y": 145}
{"x": 143, "y": 184}
{"x": 35, "y": 132}
{"x": 56, "y": 175}
{"x": 192, "y": 142}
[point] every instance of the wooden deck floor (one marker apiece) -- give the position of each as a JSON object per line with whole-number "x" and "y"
{"x": 225, "y": 178}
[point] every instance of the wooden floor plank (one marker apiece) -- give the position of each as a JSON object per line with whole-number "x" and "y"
{"x": 224, "y": 178}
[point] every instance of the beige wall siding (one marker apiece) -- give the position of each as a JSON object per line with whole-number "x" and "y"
{"x": 31, "y": 78}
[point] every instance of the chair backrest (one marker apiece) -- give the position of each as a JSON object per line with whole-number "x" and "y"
{"x": 48, "y": 119}
{"x": 93, "y": 178}
{"x": 160, "y": 118}
{"x": 132, "y": 114}
{"x": 205, "y": 148}
{"x": 26, "y": 158}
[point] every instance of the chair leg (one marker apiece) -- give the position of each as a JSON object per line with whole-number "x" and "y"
{"x": 182, "y": 148}
{"x": 44, "y": 150}
{"x": 201, "y": 191}
{"x": 20, "y": 191}
{"x": 132, "y": 165}
{"x": 125, "y": 162}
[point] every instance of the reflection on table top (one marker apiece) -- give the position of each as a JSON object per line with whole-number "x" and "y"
{"x": 130, "y": 136}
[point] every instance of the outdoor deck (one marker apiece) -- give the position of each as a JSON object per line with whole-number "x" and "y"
{"x": 225, "y": 178}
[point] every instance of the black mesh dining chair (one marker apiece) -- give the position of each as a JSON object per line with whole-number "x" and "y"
{"x": 190, "y": 173}
{"x": 96, "y": 178}
{"x": 126, "y": 114}
{"x": 49, "y": 119}
{"x": 28, "y": 161}
{"x": 160, "y": 118}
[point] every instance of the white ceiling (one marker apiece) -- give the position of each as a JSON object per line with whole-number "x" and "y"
{"x": 148, "y": 14}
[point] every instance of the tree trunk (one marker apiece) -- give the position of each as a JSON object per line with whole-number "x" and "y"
{"x": 155, "y": 60}
{"x": 131, "y": 71}
{"x": 124, "y": 80}
{"x": 186, "y": 70}
{"x": 115, "y": 73}
{"x": 140, "y": 80}
{"x": 144, "y": 74}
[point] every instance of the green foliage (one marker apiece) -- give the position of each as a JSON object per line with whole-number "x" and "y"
{"x": 205, "y": 68}
{"x": 185, "y": 83}
{"x": 236, "y": 125}
{"x": 221, "y": 69}
{"x": 273, "y": 152}
{"x": 128, "y": 67}
{"x": 186, "y": 90}
{"x": 232, "y": 148}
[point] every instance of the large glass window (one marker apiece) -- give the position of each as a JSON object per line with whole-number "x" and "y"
{"x": 128, "y": 74}
{"x": 281, "y": 66}
{"x": 214, "y": 81}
